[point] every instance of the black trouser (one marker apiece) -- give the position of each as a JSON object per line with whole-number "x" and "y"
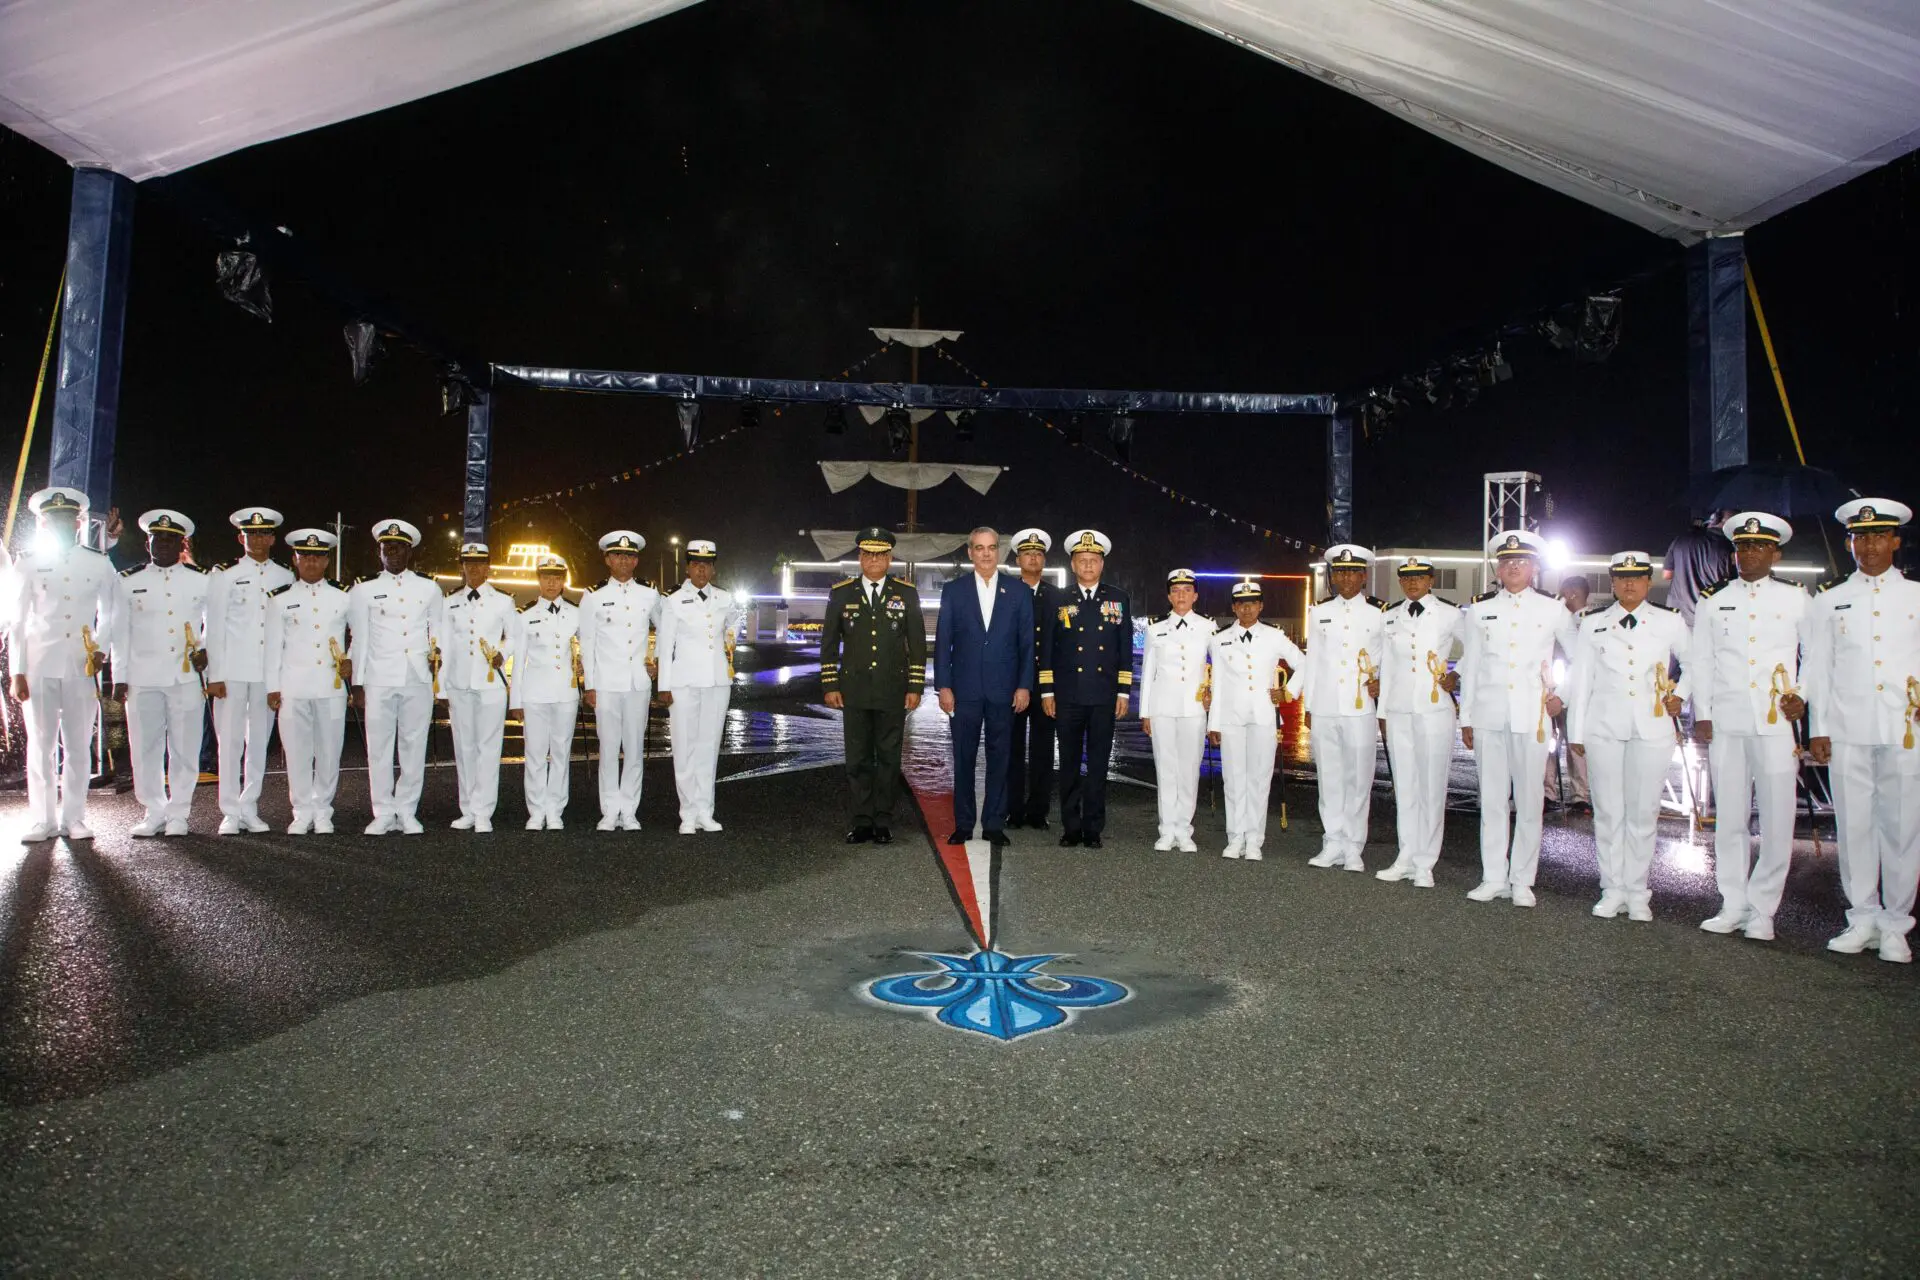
{"x": 1083, "y": 801}
{"x": 873, "y": 762}
{"x": 1030, "y": 765}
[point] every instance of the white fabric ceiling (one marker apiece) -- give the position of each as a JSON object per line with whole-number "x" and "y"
{"x": 1685, "y": 116}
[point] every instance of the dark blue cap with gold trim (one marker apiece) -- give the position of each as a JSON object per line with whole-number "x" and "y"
{"x": 875, "y": 540}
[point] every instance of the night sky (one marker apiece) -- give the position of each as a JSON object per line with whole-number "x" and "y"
{"x": 1097, "y": 195}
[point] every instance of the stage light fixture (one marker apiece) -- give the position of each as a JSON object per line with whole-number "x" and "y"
{"x": 688, "y": 411}
{"x": 835, "y": 421}
{"x": 963, "y": 426}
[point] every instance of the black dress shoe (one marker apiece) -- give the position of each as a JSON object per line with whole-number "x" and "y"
{"x": 954, "y": 837}
{"x": 1092, "y": 842}
{"x": 881, "y": 835}
{"x": 998, "y": 839}
{"x": 1069, "y": 838}
{"x": 1038, "y": 824}
{"x": 860, "y": 835}
{"x": 1015, "y": 822}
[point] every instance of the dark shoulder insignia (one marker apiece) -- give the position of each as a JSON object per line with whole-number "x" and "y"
{"x": 282, "y": 589}
{"x": 131, "y": 569}
{"x": 1785, "y": 582}
{"x": 357, "y": 581}
{"x": 416, "y": 573}
{"x": 1548, "y": 594}
{"x": 1484, "y": 595}
{"x": 1592, "y": 609}
{"x": 1376, "y": 603}
{"x": 1831, "y": 583}
{"x": 196, "y": 568}
{"x": 1443, "y": 600}
{"x": 1329, "y": 599}
{"x": 1389, "y": 608}
{"x": 1223, "y": 630}
{"x": 603, "y": 582}
{"x": 1664, "y": 608}
{"x": 1724, "y": 582}
{"x": 844, "y": 582}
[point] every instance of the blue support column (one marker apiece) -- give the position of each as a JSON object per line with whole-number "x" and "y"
{"x": 1716, "y": 355}
{"x": 479, "y": 469}
{"x": 86, "y": 396}
{"x": 1340, "y": 476}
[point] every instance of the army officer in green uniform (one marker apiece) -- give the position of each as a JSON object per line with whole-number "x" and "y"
{"x": 873, "y": 665}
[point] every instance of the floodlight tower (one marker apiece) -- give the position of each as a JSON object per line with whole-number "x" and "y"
{"x": 1504, "y": 506}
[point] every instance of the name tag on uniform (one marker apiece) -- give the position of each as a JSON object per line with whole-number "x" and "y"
{"x": 292, "y": 605}
{"x": 1324, "y": 621}
{"x": 1728, "y": 608}
{"x": 1601, "y": 627}
{"x": 607, "y": 604}
{"x": 1837, "y": 608}
{"x": 142, "y": 591}
{"x": 533, "y": 622}
{"x": 1489, "y": 617}
{"x": 381, "y": 596}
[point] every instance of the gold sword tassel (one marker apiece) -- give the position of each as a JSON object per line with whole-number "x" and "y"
{"x": 579, "y": 667}
{"x": 1913, "y": 709}
{"x": 1781, "y": 687}
{"x": 93, "y": 650}
{"x": 489, "y": 652}
{"x": 1366, "y": 671}
{"x": 1437, "y": 668}
{"x": 333, "y": 650}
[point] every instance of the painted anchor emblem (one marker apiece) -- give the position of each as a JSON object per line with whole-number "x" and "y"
{"x": 995, "y": 994}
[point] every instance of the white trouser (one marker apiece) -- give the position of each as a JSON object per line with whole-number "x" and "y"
{"x": 549, "y": 732}
{"x": 164, "y": 727}
{"x": 1626, "y": 777}
{"x": 1246, "y": 775}
{"x": 243, "y": 722}
{"x": 398, "y": 717}
{"x": 60, "y": 714}
{"x": 479, "y": 717}
{"x": 312, "y": 731}
{"x": 1344, "y": 751}
{"x": 1420, "y": 748}
{"x": 1178, "y": 744}
{"x": 694, "y": 722}
{"x": 1744, "y": 764}
{"x": 1876, "y": 810}
{"x": 621, "y": 721}
{"x": 1512, "y": 765}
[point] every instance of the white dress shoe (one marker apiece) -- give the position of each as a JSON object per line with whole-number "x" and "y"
{"x": 410, "y": 825}
{"x": 462, "y": 823}
{"x": 1522, "y": 897}
{"x": 228, "y": 827}
{"x": 1725, "y": 922}
{"x": 1186, "y": 845}
{"x": 1488, "y": 890}
{"x": 1610, "y": 905}
{"x": 378, "y": 827}
{"x": 1423, "y": 879}
{"x": 554, "y": 823}
{"x": 1251, "y": 852}
{"x": 536, "y": 822}
{"x": 1641, "y": 912}
{"x": 629, "y": 822}
{"x": 1232, "y": 850}
{"x": 689, "y": 828}
{"x": 1327, "y": 858}
{"x": 708, "y": 824}
{"x": 483, "y": 825}
{"x": 1855, "y": 940}
{"x": 607, "y": 824}
{"x": 1353, "y": 863}
{"x": 77, "y": 831}
{"x": 1163, "y": 845}
{"x": 1894, "y": 948}
{"x": 37, "y": 833}
{"x": 253, "y": 823}
{"x": 177, "y": 827}
{"x": 147, "y": 827}
{"x": 299, "y": 826}
{"x": 1398, "y": 871}
{"x": 323, "y": 826}
{"x": 1759, "y": 928}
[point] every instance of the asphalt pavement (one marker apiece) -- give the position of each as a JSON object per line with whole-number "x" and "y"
{"x": 584, "y": 1054}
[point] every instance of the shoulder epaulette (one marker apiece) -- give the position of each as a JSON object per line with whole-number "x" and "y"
{"x": 1376, "y": 603}
{"x": 528, "y": 607}
{"x": 905, "y": 583}
{"x": 1594, "y": 608}
{"x": 1667, "y": 608}
{"x": 1328, "y": 599}
{"x": 1443, "y": 600}
{"x": 603, "y": 582}
{"x": 1785, "y": 582}
{"x": 844, "y": 582}
{"x": 131, "y": 569}
{"x": 416, "y": 573}
{"x": 1391, "y": 607}
{"x": 227, "y": 564}
{"x": 196, "y": 568}
{"x": 1262, "y": 622}
{"x": 282, "y": 588}
{"x": 1724, "y": 582}
{"x": 1224, "y": 629}
{"x": 1831, "y": 583}
{"x": 357, "y": 581}
{"x": 1548, "y": 594}
{"x": 1484, "y": 595}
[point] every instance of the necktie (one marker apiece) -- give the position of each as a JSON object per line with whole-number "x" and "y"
{"x": 1087, "y": 596}
{"x": 1416, "y": 608}
{"x": 873, "y": 595}
{"x": 553, "y": 608}
{"x": 1179, "y": 624}
{"x": 1629, "y": 622}
{"x": 474, "y": 594}
{"x": 701, "y": 594}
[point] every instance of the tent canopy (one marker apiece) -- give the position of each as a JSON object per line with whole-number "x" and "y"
{"x": 1684, "y": 116}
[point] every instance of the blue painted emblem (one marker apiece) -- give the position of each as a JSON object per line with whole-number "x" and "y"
{"x": 995, "y": 994}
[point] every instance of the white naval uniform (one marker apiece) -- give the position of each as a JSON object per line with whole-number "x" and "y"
{"x": 1611, "y": 699}
{"x": 1861, "y": 646}
{"x": 392, "y": 619}
{"x": 1172, "y": 671}
{"x": 298, "y": 664}
{"x": 165, "y": 709}
{"x": 695, "y": 647}
{"x": 1345, "y": 729}
{"x": 476, "y": 693}
{"x": 52, "y": 595}
{"x": 236, "y": 647}
{"x": 1742, "y": 632}
{"x": 1506, "y": 639}
{"x": 1246, "y": 668}
{"x": 615, "y": 618}
{"x": 544, "y": 692}
{"x": 1420, "y": 726}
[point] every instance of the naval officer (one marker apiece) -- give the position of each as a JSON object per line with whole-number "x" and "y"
{"x": 1242, "y": 719}
{"x": 617, "y": 654}
{"x": 157, "y": 660}
{"x": 1084, "y": 683}
{"x": 1745, "y": 663}
{"x": 1507, "y": 639}
{"x": 236, "y": 671}
{"x": 479, "y": 637}
{"x": 306, "y": 673}
{"x": 1173, "y": 707}
{"x": 1862, "y": 664}
{"x": 1417, "y": 711}
{"x": 1344, "y": 648}
{"x": 1621, "y": 715}
{"x": 393, "y": 619}
{"x": 60, "y": 608}
{"x": 697, "y": 625}
{"x": 873, "y": 666}
{"x": 1030, "y": 758}
{"x": 546, "y": 692}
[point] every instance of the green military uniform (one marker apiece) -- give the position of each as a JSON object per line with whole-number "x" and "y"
{"x": 873, "y": 652}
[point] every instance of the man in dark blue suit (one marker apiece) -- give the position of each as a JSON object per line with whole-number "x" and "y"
{"x": 983, "y": 668}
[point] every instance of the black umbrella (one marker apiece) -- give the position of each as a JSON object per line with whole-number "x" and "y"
{"x": 1779, "y": 488}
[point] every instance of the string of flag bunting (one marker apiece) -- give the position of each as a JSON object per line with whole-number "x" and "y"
{"x": 1171, "y": 492}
